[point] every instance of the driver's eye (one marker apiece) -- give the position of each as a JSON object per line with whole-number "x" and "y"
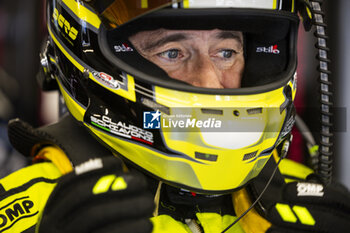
{"x": 227, "y": 53}
{"x": 170, "y": 54}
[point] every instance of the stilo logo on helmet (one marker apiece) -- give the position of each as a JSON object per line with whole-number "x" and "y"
{"x": 271, "y": 49}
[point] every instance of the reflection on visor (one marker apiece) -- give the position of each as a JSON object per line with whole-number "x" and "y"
{"x": 122, "y": 11}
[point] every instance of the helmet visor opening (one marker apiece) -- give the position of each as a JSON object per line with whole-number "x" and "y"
{"x": 269, "y": 45}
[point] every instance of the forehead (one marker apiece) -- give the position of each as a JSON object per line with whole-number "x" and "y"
{"x": 155, "y": 38}
{"x": 189, "y": 34}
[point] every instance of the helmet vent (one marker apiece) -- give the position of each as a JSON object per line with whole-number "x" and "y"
{"x": 204, "y": 156}
{"x": 253, "y": 111}
{"x": 155, "y": 106}
{"x": 212, "y": 111}
{"x": 250, "y": 155}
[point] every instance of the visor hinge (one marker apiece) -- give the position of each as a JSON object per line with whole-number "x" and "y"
{"x": 46, "y": 77}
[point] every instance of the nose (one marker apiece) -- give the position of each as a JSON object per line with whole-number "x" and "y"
{"x": 204, "y": 73}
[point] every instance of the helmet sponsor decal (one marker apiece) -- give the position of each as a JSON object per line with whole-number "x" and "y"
{"x": 288, "y": 126}
{"x": 270, "y": 49}
{"x": 122, "y": 129}
{"x": 106, "y": 79}
{"x": 123, "y": 48}
{"x": 64, "y": 26}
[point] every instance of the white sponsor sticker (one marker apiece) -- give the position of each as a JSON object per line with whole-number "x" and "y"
{"x": 310, "y": 189}
{"x": 89, "y": 165}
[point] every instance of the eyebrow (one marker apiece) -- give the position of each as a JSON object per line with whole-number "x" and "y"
{"x": 164, "y": 40}
{"x": 230, "y": 35}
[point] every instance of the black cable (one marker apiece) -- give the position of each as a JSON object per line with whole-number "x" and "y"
{"x": 325, "y": 165}
{"x": 283, "y": 155}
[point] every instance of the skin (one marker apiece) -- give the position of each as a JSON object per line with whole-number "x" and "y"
{"x": 203, "y": 58}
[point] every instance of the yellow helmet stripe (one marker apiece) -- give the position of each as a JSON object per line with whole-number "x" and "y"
{"x": 186, "y": 3}
{"x": 293, "y": 6}
{"x": 75, "y": 109}
{"x": 144, "y": 3}
{"x": 83, "y": 13}
{"x": 274, "y": 4}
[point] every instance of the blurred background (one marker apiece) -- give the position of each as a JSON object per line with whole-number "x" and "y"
{"x": 23, "y": 30}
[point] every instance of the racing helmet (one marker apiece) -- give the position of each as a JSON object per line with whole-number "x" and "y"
{"x": 206, "y": 140}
